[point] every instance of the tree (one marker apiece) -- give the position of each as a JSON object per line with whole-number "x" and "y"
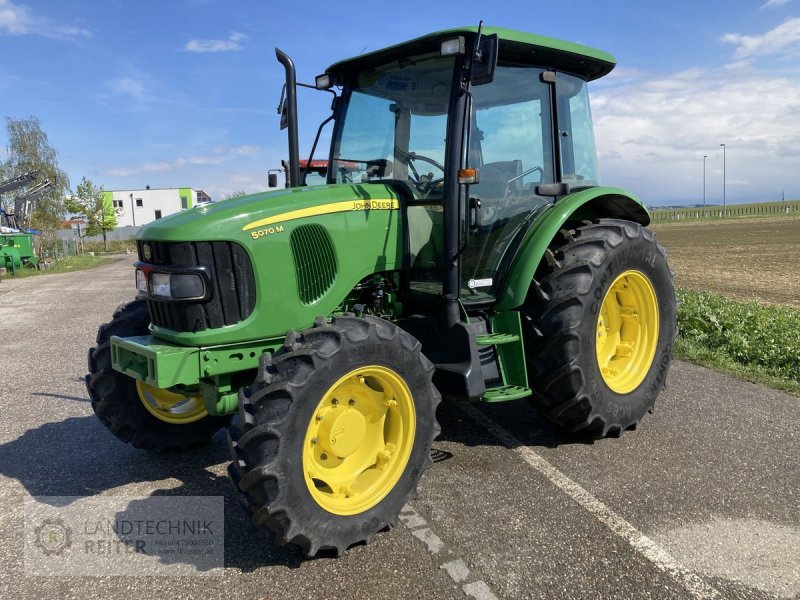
{"x": 92, "y": 202}
{"x": 29, "y": 150}
{"x": 232, "y": 195}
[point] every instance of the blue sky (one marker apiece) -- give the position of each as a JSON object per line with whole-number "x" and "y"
{"x": 183, "y": 93}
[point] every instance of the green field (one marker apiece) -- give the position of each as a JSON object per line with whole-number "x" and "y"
{"x": 739, "y": 292}
{"x": 759, "y": 209}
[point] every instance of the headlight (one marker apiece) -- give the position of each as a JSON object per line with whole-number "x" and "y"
{"x": 141, "y": 281}
{"x": 177, "y": 286}
{"x": 187, "y": 285}
{"x": 160, "y": 285}
{"x": 454, "y": 46}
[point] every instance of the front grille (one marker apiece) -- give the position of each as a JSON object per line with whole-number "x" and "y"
{"x": 233, "y": 293}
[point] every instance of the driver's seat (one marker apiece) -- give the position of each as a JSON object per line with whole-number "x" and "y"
{"x": 495, "y": 176}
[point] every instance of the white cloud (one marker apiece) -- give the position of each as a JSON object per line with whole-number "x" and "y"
{"x": 246, "y": 150}
{"x": 232, "y": 43}
{"x": 69, "y": 31}
{"x": 654, "y": 129}
{"x": 652, "y": 133}
{"x": 221, "y": 154}
{"x": 131, "y": 90}
{"x": 774, "y": 4}
{"x": 783, "y": 39}
{"x": 164, "y": 165}
{"x": 129, "y": 86}
{"x": 17, "y": 19}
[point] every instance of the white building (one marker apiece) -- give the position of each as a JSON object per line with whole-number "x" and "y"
{"x": 139, "y": 207}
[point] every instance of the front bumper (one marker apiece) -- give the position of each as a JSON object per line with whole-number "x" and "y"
{"x": 157, "y": 364}
{"x": 163, "y": 365}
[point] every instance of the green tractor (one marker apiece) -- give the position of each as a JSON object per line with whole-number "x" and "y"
{"x": 462, "y": 247}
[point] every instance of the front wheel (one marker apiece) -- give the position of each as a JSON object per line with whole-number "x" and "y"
{"x": 335, "y": 434}
{"x": 600, "y": 325}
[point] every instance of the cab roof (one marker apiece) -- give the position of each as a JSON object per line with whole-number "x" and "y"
{"x": 516, "y": 46}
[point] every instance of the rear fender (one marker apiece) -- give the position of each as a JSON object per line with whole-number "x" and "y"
{"x": 592, "y": 203}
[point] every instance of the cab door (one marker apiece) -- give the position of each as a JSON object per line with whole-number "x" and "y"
{"x": 510, "y": 143}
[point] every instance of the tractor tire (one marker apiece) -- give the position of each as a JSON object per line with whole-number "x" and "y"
{"x": 136, "y": 412}
{"x": 333, "y": 437}
{"x": 599, "y": 326}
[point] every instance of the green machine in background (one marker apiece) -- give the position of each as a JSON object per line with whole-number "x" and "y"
{"x": 462, "y": 247}
{"x": 16, "y": 244}
{"x": 16, "y": 251}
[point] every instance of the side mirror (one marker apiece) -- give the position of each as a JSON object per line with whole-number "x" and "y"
{"x": 284, "y": 117}
{"x": 485, "y": 60}
{"x": 272, "y": 180}
{"x": 552, "y": 190}
{"x": 282, "y": 110}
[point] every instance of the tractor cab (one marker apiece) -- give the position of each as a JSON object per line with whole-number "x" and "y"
{"x": 510, "y": 109}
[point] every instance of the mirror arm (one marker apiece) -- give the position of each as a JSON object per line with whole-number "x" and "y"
{"x": 314, "y": 147}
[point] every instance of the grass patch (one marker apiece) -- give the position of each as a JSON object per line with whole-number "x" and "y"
{"x": 65, "y": 265}
{"x": 751, "y": 341}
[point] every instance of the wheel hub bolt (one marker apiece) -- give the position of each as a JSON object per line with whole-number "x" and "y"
{"x": 314, "y": 440}
{"x": 324, "y": 456}
{"x": 352, "y": 402}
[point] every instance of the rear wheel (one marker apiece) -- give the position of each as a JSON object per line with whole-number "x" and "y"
{"x": 600, "y": 326}
{"x": 139, "y": 414}
{"x": 335, "y": 434}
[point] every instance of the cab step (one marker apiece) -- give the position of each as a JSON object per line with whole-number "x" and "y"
{"x": 495, "y": 339}
{"x": 504, "y": 393}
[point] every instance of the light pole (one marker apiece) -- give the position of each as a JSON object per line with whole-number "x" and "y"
{"x": 133, "y": 210}
{"x": 724, "y": 210}
{"x": 705, "y": 156}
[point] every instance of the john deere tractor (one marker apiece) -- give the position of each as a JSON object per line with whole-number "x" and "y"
{"x": 461, "y": 247}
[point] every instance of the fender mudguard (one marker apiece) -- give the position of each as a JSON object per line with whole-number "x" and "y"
{"x": 592, "y": 203}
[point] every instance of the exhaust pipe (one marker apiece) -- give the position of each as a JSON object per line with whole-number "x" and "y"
{"x": 290, "y": 108}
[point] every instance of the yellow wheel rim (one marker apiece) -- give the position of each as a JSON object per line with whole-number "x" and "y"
{"x": 170, "y": 407}
{"x": 627, "y": 332}
{"x": 359, "y": 440}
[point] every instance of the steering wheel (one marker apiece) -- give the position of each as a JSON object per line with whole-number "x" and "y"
{"x": 423, "y": 158}
{"x": 426, "y": 183}
{"x": 407, "y": 157}
{"x": 423, "y": 182}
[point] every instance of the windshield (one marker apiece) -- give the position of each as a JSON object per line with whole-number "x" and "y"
{"x": 394, "y": 126}
{"x": 578, "y": 153}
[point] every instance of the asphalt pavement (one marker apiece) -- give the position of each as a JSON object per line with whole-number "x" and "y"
{"x": 701, "y": 501}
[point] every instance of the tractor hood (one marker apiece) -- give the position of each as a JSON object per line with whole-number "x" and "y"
{"x": 307, "y": 248}
{"x": 258, "y": 215}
